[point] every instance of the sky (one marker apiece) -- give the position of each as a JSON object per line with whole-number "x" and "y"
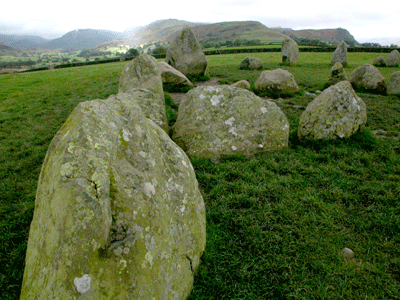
{"x": 364, "y": 20}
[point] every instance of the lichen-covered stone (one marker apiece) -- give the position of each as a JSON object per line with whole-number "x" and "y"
{"x": 336, "y": 113}
{"x": 142, "y": 72}
{"x": 290, "y": 52}
{"x": 251, "y": 63}
{"x": 336, "y": 74}
{"x": 394, "y": 84}
{"x": 152, "y": 105}
{"x": 243, "y": 84}
{"x": 217, "y": 121}
{"x": 393, "y": 59}
{"x": 379, "y": 62}
{"x": 340, "y": 54}
{"x": 118, "y": 213}
{"x": 185, "y": 55}
{"x": 278, "y": 81}
{"x": 172, "y": 77}
{"x": 368, "y": 78}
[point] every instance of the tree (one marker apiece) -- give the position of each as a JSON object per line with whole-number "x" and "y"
{"x": 132, "y": 53}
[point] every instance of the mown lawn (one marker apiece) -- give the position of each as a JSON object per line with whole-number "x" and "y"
{"x": 276, "y": 222}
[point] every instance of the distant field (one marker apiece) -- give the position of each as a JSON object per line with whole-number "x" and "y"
{"x": 276, "y": 222}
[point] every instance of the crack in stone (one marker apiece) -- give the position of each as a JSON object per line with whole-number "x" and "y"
{"x": 190, "y": 262}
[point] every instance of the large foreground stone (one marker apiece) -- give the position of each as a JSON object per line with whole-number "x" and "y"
{"x": 142, "y": 72}
{"x": 152, "y": 105}
{"x": 368, "y": 78}
{"x": 336, "y": 113}
{"x": 278, "y": 81}
{"x": 340, "y": 54}
{"x": 290, "y": 52}
{"x": 118, "y": 213}
{"x": 394, "y": 84}
{"x": 185, "y": 54}
{"x": 172, "y": 77}
{"x": 217, "y": 121}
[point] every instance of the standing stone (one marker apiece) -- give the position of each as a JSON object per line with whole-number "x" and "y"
{"x": 336, "y": 74}
{"x": 278, "y": 81}
{"x": 379, "y": 62}
{"x": 185, "y": 55}
{"x": 251, "y": 63}
{"x": 290, "y": 52}
{"x": 394, "y": 84}
{"x": 142, "y": 72}
{"x": 340, "y": 54}
{"x": 118, "y": 213}
{"x": 217, "y": 121}
{"x": 336, "y": 113}
{"x": 172, "y": 77}
{"x": 393, "y": 59}
{"x": 368, "y": 78}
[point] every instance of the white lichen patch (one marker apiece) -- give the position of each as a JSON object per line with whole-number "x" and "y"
{"x": 264, "y": 110}
{"x": 82, "y": 284}
{"x": 149, "y": 189}
{"x": 148, "y": 257}
{"x": 215, "y": 100}
{"x": 126, "y": 134}
{"x": 123, "y": 263}
{"x": 182, "y": 209}
{"x": 233, "y": 148}
{"x": 142, "y": 154}
{"x": 233, "y": 131}
{"x": 230, "y": 121}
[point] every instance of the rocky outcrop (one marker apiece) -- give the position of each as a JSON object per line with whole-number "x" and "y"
{"x": 251, "y": 63}
{"x": 185, "y": 55}
{"x": 336, "y": 113}
{"x": 142, "y": 72}
{"x": 340, "y": 54}
{"x": 118, "y": 212}
{"x": 368, "y": 78}
{"x": 394, "y": 84}
{"x": 278, "y": 81}
{"x": 172, "y": 77}
{"x": 393, "y": 59}
{"x": 217, "y": 121}
{"x": 336, "y": 74}
{"x": 290, "y": 52}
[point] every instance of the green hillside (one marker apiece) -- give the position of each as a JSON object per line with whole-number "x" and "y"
{"x": 333, "y": 36}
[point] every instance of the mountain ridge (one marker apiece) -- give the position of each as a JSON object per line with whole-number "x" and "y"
{"x": 166, "y": 30}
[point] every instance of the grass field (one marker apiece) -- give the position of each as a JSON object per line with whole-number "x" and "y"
{"x": 276, "y": 222}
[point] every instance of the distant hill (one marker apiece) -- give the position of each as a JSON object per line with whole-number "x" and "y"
{"x": 167, "y": 30}
{"x": 9, "y": 51}
{"x": 332, "y": 36}
{"x": 231, "y": 31}
{"x": 158, "y": 31}
{"x": 23, "y": 41}
{"x": 82, "y": 39}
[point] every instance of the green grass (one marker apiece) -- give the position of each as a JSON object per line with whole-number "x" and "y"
{"x": 276, "y": 222}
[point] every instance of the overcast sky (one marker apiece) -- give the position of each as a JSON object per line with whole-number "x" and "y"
{"x": 362, "y": 18}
